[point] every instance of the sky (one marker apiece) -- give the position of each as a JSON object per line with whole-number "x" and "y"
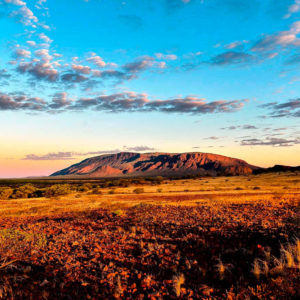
{"x": 80, "y": 78}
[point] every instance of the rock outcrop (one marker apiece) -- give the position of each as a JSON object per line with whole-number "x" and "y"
{"x": 125, "y": 164}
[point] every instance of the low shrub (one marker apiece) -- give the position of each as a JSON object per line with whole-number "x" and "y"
{"x": 38, "y": 193}
{"x": 24, "y": 191}
{"x": 17, "y": 243}
{"x": 84, "y": 187}
{"x": 58, "y": 190}
{"x": 139, "y": 190}
{"x": 118, "y": 212}
{"x": 96, "y": 191}
{"x": 5, "y": 193}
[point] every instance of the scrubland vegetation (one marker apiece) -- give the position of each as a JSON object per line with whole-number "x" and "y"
{"x": 203, "y": 238}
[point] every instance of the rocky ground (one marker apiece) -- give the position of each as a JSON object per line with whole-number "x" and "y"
{"x": 217, "y": 251}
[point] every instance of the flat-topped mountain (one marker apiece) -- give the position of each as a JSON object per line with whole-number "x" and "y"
{"x": 125, "y": 164}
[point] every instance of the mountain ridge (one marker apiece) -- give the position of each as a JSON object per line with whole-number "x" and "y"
{"x": 130, "y": 164}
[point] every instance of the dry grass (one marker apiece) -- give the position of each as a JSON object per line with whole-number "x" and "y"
{"x": 206, "y": 191}
{"x": 211, "y": 238}
{"x": 178, "y": 281}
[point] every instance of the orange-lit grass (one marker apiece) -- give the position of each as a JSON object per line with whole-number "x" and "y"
{"x": 229, "y": 241}
{"x": 273, "y": 190}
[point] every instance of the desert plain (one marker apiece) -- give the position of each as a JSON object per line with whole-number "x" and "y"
{"x": 231, "y": 237}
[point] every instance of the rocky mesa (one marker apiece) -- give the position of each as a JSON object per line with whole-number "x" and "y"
{"x": 128, "y": 164}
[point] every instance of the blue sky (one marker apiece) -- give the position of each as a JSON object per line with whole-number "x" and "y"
{"x": 79, "y": 78}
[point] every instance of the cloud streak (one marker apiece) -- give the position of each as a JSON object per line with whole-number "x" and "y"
{"x": 234, "y": 127}
{"x": 264, "y": 48}
{"x": 232, "y": 58}
{"x": 292, "y": 9}
{"x": 281, "y": 39}
{"x": 270, "y": 141}
{"x": 73, "y": 155}
{"x": 133, "y": 102}
{"x": 46, "y": 66}
{"x": 289, "y": 108}
{"x": 120, "y": 102}
{"x": 21, "y": 102}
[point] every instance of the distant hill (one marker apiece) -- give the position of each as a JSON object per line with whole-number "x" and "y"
{"x": 277, "y": 168}
{"x": 128, "y": 164}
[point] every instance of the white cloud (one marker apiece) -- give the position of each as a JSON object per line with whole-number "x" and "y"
{"x": 40, "y": 2}
{"x": 233, "y": 45}
{"x": 44, "y": 54}
{"x": 280, "y": 39}
{"x": 41, "y": 70}
{"x": 25, "y": 16}
{"x": 293, "y": 8}
{"x": 81, "y": 69}
{"x": 162, "y": 65}
{"x": 45, "y": 38}
{"x": 31, "y": 43}
{"x": 22, "y": 53}
{"x": 166, "y": 56}
{"x": 57, "y": 55}
{"x": 15, "y": 2}
{"x": 97, "y": 60}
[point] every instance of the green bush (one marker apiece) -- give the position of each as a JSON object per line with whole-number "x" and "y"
{"x": 5, "y": 192}
{"x": 58, "y": 190}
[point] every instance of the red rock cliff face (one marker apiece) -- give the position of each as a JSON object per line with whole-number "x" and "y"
{"x": 155, "y": 164}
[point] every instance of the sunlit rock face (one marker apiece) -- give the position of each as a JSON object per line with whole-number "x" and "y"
{"x": 158, "y": 164}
